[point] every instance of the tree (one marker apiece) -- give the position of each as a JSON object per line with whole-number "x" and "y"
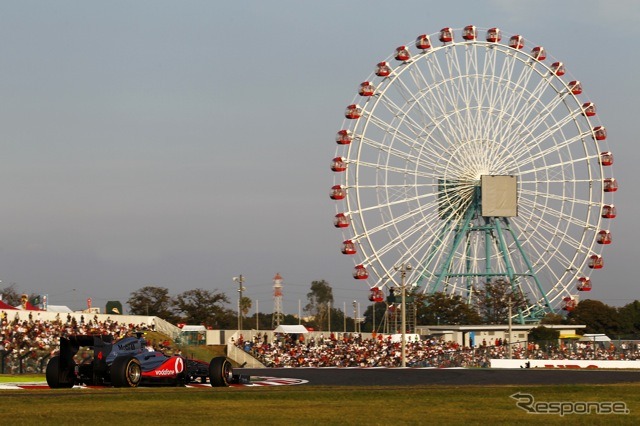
{"x": 154, "y": 301}
{"x": 10, "y": 295}
{"x": 264, "y": 321}
{"x": 379, "y": 309}
{"x": 204, "y": 307}
{"x": 630, "y": 318}
{"x": 597, "y": 316}
{"x": 440, "y": 308}
{"x": 492, "y": 301}
{"x": 337, "y": 320}
{"x": 245, "y": 305}
{"x": 320, "y": 296}
{"x": 544, "y": 335}
{"x": 552, "y": 319}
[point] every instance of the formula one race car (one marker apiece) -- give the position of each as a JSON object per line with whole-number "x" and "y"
{"x": 127, "y": 363}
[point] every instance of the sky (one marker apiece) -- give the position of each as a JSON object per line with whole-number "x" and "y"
{"x": 180, "y": 144}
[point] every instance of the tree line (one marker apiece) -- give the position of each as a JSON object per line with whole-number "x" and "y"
{"x": 489, "y": 306}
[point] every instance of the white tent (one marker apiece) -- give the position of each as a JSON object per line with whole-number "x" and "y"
{"x": 595, "y": 338}
{"x": 291, "y": 329}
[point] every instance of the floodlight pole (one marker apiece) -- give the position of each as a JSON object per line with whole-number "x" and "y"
{"x": 355, "y": 317}
{"x": 403, "y": 273}
{"x": 239, "y": 280}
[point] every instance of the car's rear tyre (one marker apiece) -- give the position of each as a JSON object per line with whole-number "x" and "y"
{"x": 126, "y": 372}
{"x": 220, "y": 371}
{"x": 57, "y": 378}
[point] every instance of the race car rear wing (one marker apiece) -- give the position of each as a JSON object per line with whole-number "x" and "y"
{"x": 69, "y": 346}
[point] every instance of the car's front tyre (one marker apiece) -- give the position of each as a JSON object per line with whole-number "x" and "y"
{"x": 220, "y": 372}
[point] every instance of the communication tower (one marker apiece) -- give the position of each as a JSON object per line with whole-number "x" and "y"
{"x": 277, "y": 301}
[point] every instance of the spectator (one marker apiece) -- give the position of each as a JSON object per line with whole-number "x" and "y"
{"x": 354, "y": 351}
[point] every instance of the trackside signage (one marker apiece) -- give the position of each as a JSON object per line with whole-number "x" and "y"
{"x": 563, "y": 363}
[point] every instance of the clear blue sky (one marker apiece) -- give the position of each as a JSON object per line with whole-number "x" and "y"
{"x": 182, "y": 143}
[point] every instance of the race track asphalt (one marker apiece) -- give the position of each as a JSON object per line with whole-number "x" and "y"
{"x": 452, "y": 377}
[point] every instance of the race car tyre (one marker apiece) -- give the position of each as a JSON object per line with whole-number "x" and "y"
{"x": 220, "y": 371}
{"x": 126, "y": 372}
{"x": 57, "y": 378}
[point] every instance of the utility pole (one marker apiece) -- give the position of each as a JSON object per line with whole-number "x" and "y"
{"x": 239, "y": 280}
{"x": 510, "y": 326}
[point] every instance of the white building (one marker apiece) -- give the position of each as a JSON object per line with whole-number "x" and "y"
{"x": 474, "y": 335}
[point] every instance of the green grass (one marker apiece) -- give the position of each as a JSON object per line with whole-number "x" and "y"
{"x": 309, "y": 405}
{"x": 10, "y": 378}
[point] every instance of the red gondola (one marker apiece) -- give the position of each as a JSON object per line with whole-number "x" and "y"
{"x": 516, "y": 42}
{"x": 348, "y": 247}
{"x": 606, "y": 158}
{"x": 402, "y": 54}
{"x": 538, "y": 53}
{"x": 569, "y": 304}
{"x": 557, "y": 68}
{"x": 596, "y": 261}
{"x": 584, "y": 284}
{"x": 339, "y": 164}
{"x": 383, "y": 69}
{"x": 604, "y": 237}
{"x": 360, "y": 273}
{"x": 353, "y": 112}
{"x": 494, "y": 35}
{"x": 366, "y": 89}
{"x": 609, "y": 211}
{"x": 469, "y": 32}
{"x": 600, "y": 133}
{"x": 575, "y": 87}
{"x": 610, "y": 185}
{"x": 446, "y": 35}
{"x": 376, "y": 295}
{"x": 341, "y": 221}
{"x": 338, "y": 192}
{"x": 423, "y": 42}
{"x": 589, "y": 109}
{"x": 344, "y": 137}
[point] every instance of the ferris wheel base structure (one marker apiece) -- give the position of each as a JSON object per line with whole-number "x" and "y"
{"x": 474, "y": 160}
{"x": 485, "y": 219}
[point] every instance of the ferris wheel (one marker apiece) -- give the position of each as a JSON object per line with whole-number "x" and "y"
{"x": 474, "y": 159}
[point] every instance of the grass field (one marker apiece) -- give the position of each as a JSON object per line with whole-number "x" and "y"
{"x": 309, "y": 405}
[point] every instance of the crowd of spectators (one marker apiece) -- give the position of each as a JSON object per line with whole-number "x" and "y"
{"x": 27, "y": 344}
{"x": 351, "y": 350}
